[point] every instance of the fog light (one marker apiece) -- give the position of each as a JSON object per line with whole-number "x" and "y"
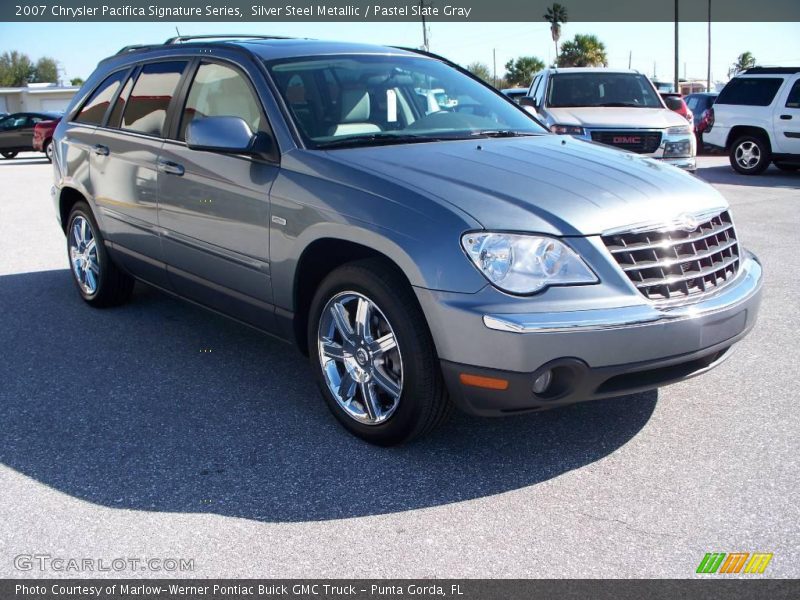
{"x": 542, "y": 382}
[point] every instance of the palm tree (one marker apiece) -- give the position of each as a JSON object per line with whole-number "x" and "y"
{"x": 583, "y": 51}
{"x": 745, "y": 61}
{"x": 556, "y": 15}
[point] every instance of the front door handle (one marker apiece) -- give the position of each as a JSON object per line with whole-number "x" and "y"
{"x": 100, "y": 150}
{"x": 170, "y": 168}
{"x": 786, "y": 117}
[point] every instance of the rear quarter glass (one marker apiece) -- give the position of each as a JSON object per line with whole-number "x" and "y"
{"x": 750, "y": 91}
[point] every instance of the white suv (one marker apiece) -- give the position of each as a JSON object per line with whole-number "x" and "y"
{"x": 756, "y": 119}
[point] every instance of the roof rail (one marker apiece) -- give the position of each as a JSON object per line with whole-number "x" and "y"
{"x": 133, "y": 47}
{"x": 772, "y": 71}
{"x": 179, "y": 39}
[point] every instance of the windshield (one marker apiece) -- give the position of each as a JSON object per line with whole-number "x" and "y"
{"x": 602, "y": 89}
{"x": 337, "y": 101}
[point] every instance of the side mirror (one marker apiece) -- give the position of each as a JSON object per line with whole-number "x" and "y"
{"x": 528, "y": 101}
{"x": 223, "y": 134}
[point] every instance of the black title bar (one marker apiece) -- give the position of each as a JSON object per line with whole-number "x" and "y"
{"x": 394, "y": 10}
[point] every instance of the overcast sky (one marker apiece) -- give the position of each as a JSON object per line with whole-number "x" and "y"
{"x": 79, "y": 46}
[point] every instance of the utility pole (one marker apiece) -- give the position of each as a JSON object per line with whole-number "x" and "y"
{"x": 676, "y": 71}
{"x": 494, "y": 67}
{"x": 708, "y": 75}
{"x": 425, "y": 44}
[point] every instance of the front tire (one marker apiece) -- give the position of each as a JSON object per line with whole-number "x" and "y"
{"x": 750, "y": 155}
{"x": 99, "y": 281}
{"x": 373, "y": 355}
{"x": 8, "y": 155}
{"x": 48, "y": 150}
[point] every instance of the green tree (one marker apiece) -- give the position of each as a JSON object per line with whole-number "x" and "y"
{"x": 77, "y": 81}
{"x": 481, "y": 71}
{"x": 520, "y": 71}
{"x": 16, "y": 69}
{"x": 46, "y": 70}
{"x": 583, "y": 51}
{"x": 556, "y": 15}
{"x": 744, "y": 61}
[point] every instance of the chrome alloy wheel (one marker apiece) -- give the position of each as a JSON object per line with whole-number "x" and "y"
{"x": 83, "y": 255}
{"x": 747, "y": 154}
{"x": 360, "y": 358}
{"x": 48, "y": 151}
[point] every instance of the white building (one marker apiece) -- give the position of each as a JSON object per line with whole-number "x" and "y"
{"x": 35, "y": 97}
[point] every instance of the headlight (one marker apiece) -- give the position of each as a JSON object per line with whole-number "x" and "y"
{"x": 524, "y": 264}
{"x": 674, "y": 149}
{"x": 680, "y": 130}
{"x": 566, "y": 129}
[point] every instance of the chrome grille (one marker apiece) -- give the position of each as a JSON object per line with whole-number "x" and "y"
{"x": 671, "y": 264}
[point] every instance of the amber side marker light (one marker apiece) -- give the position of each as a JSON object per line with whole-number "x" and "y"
{"x": 489, "y": 383}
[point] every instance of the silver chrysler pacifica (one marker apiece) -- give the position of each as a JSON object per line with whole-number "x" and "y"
{"x": 423, "y": 239}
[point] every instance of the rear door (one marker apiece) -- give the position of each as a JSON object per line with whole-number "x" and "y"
{"x": 123, "y": 162}
{"x": 787, "y": 119}
{"x": 214, "y": 207}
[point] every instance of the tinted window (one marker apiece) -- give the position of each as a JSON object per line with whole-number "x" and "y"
{"x": 94, "y": 110}
{"x": 750, "y": 91}
{"x": 602, "y": 89}
{"x": 793, "y": 101}
{"x": 14, "y": 122}
{"x": 146, "y": 109}
{"x": 695, "y": 103}
{"x": 220, "y": 91}
{"x": 119, "y": 105}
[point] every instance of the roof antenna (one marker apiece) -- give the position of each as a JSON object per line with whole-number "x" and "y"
{"x": 176, "y": 31}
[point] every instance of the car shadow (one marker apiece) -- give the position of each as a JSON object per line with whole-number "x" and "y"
{"x": 162, "y": 406}
{"x": 771, "y": 178}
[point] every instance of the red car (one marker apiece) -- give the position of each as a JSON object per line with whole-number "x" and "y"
{"x": 43, "y": 137}
{"x": 676, "y": 103}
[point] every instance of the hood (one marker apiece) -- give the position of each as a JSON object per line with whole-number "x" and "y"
{"x": 546, "y": 184}
{"x": 616, "y": 117}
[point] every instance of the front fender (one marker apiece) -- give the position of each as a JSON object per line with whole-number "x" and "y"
{"x": 424, "y": 244}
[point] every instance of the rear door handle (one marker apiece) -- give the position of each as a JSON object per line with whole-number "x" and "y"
{"x": 170, "y": 168}
{"x": 786, "y": 117}
{"x": 100, "y": 149}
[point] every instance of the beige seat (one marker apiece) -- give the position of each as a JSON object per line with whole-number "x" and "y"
{"x": 355, "y": 113}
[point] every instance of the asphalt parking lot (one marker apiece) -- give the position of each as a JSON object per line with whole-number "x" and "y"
{"x": 121, "y": 437}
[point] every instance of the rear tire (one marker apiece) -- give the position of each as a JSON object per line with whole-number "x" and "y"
{"x": 373, "y": 355}
{"x": 48, "y": 150}
{"x": 99, "y": 281}
{"x": 8, "y": 155}
{"x": 789, "y": 167}
{"x": 750, "y": 155}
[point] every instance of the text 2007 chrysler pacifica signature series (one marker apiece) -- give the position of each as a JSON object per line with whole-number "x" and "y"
{"x": 424, "y": 254}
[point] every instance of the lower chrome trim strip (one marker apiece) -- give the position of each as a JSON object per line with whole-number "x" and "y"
{"x": 746, "y": 284}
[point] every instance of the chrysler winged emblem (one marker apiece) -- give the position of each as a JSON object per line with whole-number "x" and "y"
{"x": 688, "y": 222}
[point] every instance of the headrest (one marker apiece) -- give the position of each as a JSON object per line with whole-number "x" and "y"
{"x": 355, "y": 106}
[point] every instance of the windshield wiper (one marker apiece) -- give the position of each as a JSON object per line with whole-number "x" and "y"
{"x": 622, "y": 104}
{"x": 500, "y": 133}
{"x": 375, "y": 139}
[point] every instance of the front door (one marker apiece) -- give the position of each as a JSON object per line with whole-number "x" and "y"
{"x": 214, "y": 207}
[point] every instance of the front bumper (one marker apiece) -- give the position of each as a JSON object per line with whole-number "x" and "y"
{"x": 594, "y": 353}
